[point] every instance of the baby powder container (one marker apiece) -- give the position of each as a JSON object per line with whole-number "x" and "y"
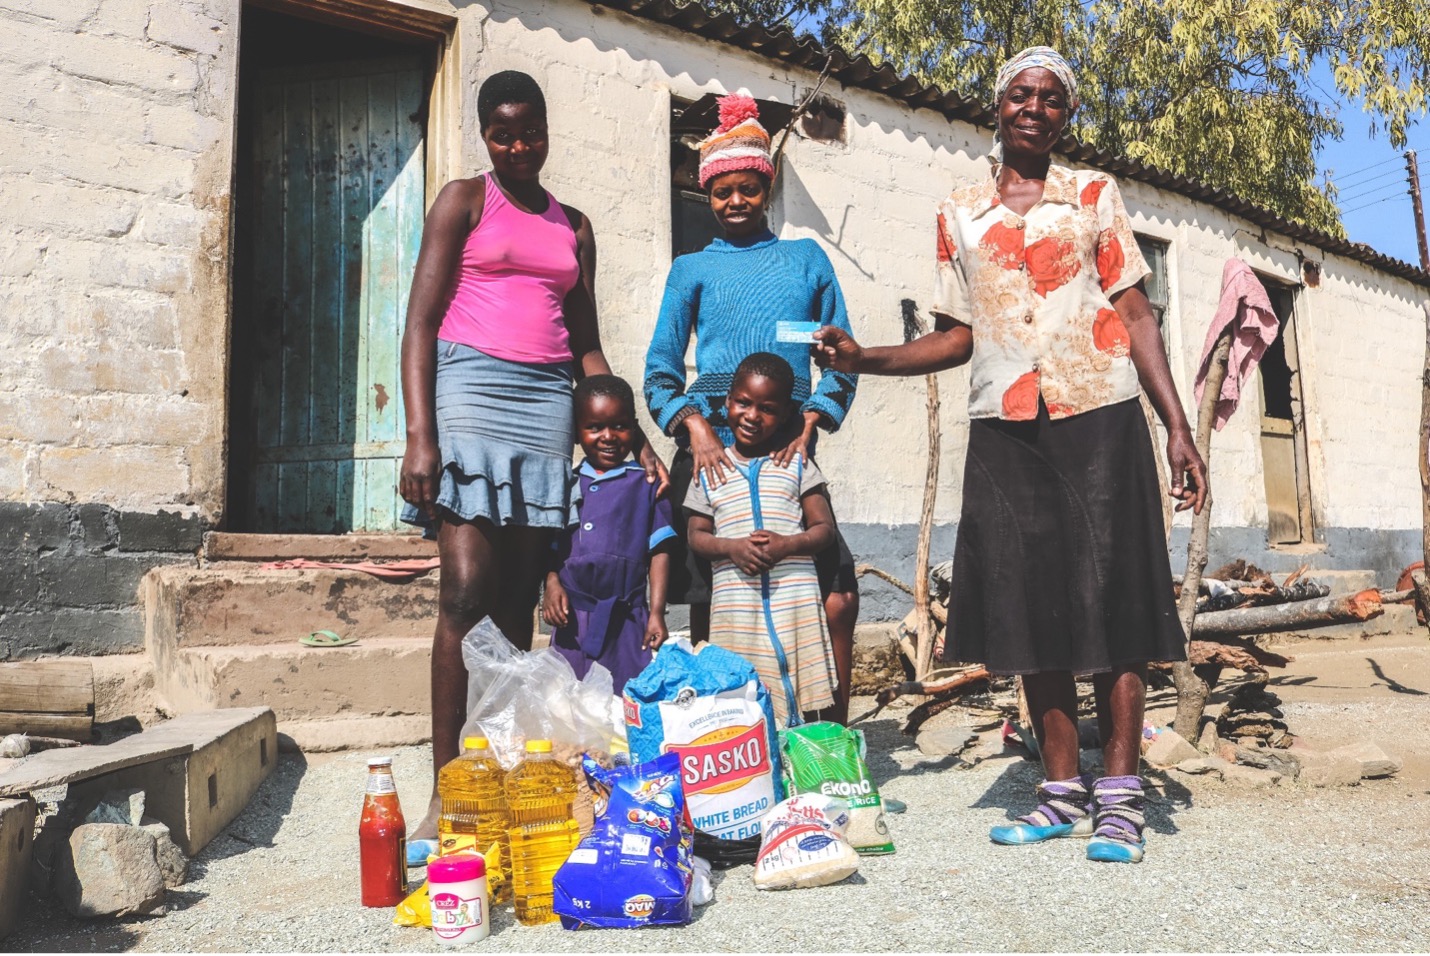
{"x": 457, "y": 886}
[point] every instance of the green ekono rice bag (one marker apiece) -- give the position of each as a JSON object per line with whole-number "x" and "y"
{"x": 828, "y": 759}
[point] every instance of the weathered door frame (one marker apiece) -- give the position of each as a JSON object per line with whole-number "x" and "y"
{"x": 444, "y": 121}
{"x": 1290, "y": 343}
{"x": 401, "y": 21}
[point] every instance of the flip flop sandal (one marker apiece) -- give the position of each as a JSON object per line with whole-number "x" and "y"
{"x": 326, "y": 639}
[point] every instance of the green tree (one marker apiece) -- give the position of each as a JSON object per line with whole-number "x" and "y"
{"x": 1219, "y": 90}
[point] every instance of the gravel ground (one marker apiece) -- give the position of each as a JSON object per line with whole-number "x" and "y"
{"x": 1226, "y": 870}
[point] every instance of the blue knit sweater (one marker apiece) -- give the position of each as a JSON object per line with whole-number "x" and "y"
{"x": 730, "y": 295}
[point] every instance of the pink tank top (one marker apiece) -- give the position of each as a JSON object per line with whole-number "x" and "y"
{"x": 516, "y": 270}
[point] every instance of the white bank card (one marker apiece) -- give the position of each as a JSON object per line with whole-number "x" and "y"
{"x": 796, "y": 332}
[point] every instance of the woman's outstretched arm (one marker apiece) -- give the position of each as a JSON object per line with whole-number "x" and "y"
{"x": 949, "y": 345}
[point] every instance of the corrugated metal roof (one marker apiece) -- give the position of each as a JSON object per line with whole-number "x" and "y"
{"x": 860, "y": 71}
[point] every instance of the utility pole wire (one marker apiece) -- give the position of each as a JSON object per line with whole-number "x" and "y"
{"x": 1412, "y": 169}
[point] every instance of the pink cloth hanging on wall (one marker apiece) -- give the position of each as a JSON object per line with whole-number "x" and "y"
{"x": 1247, "y": 308}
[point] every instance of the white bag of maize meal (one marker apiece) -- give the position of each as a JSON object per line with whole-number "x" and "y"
{"x": 802, "y": 844}
{"x": 828, "y": 758}
{"x": 711, "y": 709}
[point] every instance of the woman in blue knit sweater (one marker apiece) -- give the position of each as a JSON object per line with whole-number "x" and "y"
{"x": 731, "y": 295}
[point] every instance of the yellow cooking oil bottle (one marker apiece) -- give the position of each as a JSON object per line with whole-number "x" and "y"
{"x": 539, "y": 793}
{"x": 473, "y": 792}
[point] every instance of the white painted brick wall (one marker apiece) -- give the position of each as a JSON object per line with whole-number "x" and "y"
{"x": 115, "y": 169}
{"x": 114, "y": 172}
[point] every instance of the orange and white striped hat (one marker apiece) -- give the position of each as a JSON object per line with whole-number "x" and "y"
{"x": 739, "y": 142}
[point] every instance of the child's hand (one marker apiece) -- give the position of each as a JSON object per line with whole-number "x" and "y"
{"x": 555, "y": 606}
{"x": 655, "y": 632}
{"x": 777, "y": 546}
{"x": 750, "y": 554}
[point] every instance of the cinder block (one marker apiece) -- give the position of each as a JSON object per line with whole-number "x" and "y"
{"x": 163, "y": 531}
{"x": 13, "y": 456}
{"x": 70, "y": 630}
{"x": 184, "y": 29}
{"x": 17, "y": 825}
{"x": 156, "y": 474}
{"x": 370, "y": 678}
{"x": 215, "y": 764}
{"x": 121, "y": 61}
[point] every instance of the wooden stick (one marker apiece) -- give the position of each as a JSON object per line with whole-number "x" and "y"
{"x": 883, "y": 576}
{"x": 1241, "y": 655}
{"x": 1318, "y": 612}
{"x": 970, "y": 676}
{"x": 1422, "y": 584}
{"x": 1192, "y": 691}
{"x": 914, "y": 326}
{"x": 1163, "y": 481}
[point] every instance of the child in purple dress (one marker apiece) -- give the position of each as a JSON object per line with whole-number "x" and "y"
{"x": 617, "y": 539}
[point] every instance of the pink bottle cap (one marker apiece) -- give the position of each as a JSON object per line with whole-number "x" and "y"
{"x": 457, "y": 868}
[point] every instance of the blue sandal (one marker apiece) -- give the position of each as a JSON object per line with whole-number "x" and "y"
{"x": 419, "y": 850}
{"x": 1018, "y": 834}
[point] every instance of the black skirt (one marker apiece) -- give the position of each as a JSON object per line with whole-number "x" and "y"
{"x": 1061, "y": 560}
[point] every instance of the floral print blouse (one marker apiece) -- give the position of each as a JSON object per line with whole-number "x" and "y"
{"x": 1036, "y": 290}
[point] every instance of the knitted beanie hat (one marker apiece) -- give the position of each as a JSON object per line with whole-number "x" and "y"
{"x": 739, "y": 142}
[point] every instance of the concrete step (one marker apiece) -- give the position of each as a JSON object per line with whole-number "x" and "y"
{"x": 354, "y": 733}
{"x": 1340, "y": 582}
{"x": 224, "y": 605}
{"x": 372, "y": 678}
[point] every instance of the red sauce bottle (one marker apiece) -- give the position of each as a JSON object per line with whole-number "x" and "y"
{"x": 382, "y": 838}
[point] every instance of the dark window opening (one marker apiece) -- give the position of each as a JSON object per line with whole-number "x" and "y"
{"x": 823, "y": 120}
{"x": 1158, "y": 288}
{"x": 1275, "y": 370}
{"x": 692, "y": 226}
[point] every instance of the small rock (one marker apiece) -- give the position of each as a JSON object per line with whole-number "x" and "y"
{"x": 172, "y": 863}
{"x": 1207, "y": 742}
{"x": 1200, "y": 765}
{"x": 15, "y": 746}
{"x": 945, "y": 741}
{"x": 110, "y": 870}
{"x": 1282, "y": 761}
{"x": 1328, "y": 769}
{"x": 119, "y": 806}
{"x": 1254, "y": 778}
{"x": 1226, "y": 750}
{"x": 1170, "y": 749}
{"x": 1373, "y": 761}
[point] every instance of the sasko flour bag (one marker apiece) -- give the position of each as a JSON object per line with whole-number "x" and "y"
{"x": 711, "y": 709}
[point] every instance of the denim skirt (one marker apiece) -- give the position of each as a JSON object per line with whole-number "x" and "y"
{"x": 505, "y": 434}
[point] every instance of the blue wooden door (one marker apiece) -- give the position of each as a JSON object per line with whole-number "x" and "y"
{"x": 339, "y": 175}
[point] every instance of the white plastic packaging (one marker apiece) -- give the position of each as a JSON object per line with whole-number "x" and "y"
{"x": 461, "y": 910}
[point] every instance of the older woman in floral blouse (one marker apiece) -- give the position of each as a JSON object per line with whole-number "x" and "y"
{"x": 1061, "y": 566}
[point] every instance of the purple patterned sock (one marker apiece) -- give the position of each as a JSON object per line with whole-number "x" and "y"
{"x": 1061, "y": 802}
{"x": 1119, "y": 808}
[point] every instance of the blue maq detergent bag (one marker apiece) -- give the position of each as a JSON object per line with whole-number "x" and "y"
{"x": 709, "y": 709}
{"x": 634, "y": 868}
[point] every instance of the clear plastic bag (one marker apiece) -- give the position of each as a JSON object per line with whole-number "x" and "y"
{"x": 515, "y": 696}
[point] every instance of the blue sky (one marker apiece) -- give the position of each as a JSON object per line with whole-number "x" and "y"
{"x": 1374, "y": 197}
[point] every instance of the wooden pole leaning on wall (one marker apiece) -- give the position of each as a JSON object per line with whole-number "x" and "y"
{"x": 927, "y": 633}
{"x": 1422, "y": 583}
{"x": 1192, "y": 690}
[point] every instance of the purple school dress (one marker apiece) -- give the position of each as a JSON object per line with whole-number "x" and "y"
{"x": 603, "y": 560}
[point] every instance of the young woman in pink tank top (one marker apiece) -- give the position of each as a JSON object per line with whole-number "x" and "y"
{"x": 500, "y": 322}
